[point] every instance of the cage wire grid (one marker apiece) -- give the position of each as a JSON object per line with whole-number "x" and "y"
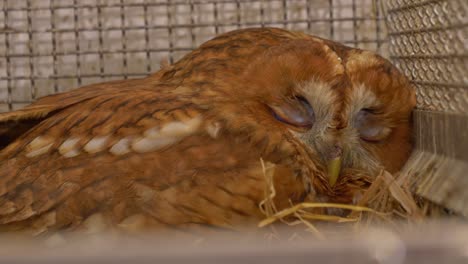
{"x": 428, "y": 42}
{"x": 50, "y": 46}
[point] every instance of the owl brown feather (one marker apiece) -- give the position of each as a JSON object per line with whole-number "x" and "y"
{"x": 182, "y": 147}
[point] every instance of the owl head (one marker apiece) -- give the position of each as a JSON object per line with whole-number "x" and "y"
{"x": 351, "y": 108}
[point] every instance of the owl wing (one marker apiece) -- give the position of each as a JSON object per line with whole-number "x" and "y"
{"x": 138, "y": 156}
{"x": 13, "y": 124}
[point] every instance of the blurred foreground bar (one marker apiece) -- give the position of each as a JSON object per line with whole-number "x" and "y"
{"x": 431, "y": 243}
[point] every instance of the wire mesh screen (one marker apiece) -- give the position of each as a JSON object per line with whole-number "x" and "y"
{"x": 428, "y": 42}
{"x": 49, "y": 46}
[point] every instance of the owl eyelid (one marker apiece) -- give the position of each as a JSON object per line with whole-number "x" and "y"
{"x": 369, "y": 127}
{"x": 373, "y": 110}
{"x": 296, "y": 112}
{"x": 377, "y": 134}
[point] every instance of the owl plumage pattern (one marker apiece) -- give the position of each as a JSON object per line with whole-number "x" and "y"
{"x": 182, "y": 148}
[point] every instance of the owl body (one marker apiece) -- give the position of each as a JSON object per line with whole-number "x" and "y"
{"x": 191, "y": 145}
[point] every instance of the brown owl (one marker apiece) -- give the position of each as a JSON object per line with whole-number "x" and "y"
{"x": 182, "y": 148}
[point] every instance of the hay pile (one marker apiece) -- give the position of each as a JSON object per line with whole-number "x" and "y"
{"x": 388, "y": 202}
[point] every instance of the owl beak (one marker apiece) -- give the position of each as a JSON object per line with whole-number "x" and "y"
{"x": 334, "y": 165}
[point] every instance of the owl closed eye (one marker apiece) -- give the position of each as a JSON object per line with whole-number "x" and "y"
{"x": 370, "y": 127}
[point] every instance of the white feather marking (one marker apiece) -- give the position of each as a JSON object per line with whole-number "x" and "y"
{"x": 39, "y": 142}
{"x": 213, "y": 129}
{"x": 39, "y": 146}
{"x": 181, "y": 129}
{"x": 96, "y": 144}
{"x": 72, "y": 153}
{"x": 152, "y": 133}
{"x": 145, "y": 144}
{"x": 121, "y": 147}
{"x": 38, "y": 152}
{"x": 68, "y": 148}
